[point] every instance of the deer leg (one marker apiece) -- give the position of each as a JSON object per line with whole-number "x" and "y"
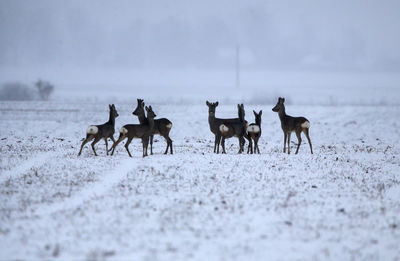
{"x": 170, "y": 145}
{"x": 241, "y": 143}
{"x": 126, "y": 146}
{"x": 308, "y": 138}
{"x": 94, "y": 143}
{"x": 218, "y": 141}
{"x": 105, "y": 140}
{"x": 88, "y": 138}
{"x": 215, "y": 144}
{"x": 113, "y": 140}
{"x": 223, "y": 145}
{"x": 145, "y": 143}
{"x": 256, "y": 145}
{"x": 288, "y": 142}
{"x": 121, "y": 138}
{"x": 151, "y": 144}
{"x": 284, "y": 142}
{"x": 166, "y": 149}
{"x": 250, "y": 144}
{"x": 298, "y": 134}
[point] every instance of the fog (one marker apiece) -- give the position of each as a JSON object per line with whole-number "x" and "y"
{"x": 294, "y": 35}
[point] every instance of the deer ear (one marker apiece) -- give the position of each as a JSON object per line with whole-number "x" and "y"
{"x": 255, "y": 113}
{"x": 260, "y": 112}
{"x": 207, "y": 103}
{"x": 283, "y": 100}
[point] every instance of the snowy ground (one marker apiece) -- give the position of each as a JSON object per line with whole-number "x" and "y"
{"x": 342, "y": 203}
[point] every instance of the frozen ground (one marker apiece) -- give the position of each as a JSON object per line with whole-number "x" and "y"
{"x": 342, "y": 203}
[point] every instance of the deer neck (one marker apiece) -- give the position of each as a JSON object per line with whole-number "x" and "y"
{"x": 282, "y": 113}
{"x": 258, "y": 122}
{"x": 151, "y": 123}
{"x": 142, "y": 118}
{"x": 211, "y": 118}
{"x": 241, "y": 118}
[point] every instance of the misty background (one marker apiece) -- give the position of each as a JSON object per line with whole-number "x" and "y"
{"x": 193, "y": 44}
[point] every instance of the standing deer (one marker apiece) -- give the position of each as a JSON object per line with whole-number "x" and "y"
{"x": 215, "y": 124}
{"x": 235, "y": 129}
{"x": 161, "y": 126}
{"x": 104, "y": 131}
{"x": 290, "y": 124}
{"x": 254, "y": 132}
{"x": 139, "y": 131}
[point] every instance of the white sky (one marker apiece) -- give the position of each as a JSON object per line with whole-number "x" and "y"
{"x": 306, "y": 35}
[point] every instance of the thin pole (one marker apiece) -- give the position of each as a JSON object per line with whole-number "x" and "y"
{"x": 237, "y": 66}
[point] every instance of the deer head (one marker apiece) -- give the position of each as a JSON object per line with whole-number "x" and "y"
{"x": 257, "y": 117}
{"x": 241, "y": 112}
{"x": 279, "y": 105}
{"x": 150, "y": 112}
{"x": 139, "y": 108}
{"x": 113, "y": 111}
{"x": 211, "y": 107}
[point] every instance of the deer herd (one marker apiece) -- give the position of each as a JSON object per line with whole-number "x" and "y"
{"x": 221, "y": 128}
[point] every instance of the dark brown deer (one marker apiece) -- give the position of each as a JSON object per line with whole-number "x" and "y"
{"x": 139, "y": 131}
{"x": 104, "y": 131}
{"x": 215, "y": 123}
{"x": 235, "y": 129}
{"x": 291, "y": 124}
{"x": 161, "y": 126}
{"x": 254, "y": 132}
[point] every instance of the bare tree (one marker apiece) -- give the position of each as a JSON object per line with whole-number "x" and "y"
{"x": 45, "y": 89}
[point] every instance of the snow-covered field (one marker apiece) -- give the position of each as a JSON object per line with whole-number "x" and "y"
{"x": 341, "y": 203}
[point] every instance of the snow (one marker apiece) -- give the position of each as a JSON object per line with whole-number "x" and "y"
{"x": 341, "y": 203}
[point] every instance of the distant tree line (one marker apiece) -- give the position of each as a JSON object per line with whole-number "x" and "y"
{"x": 17, "y": 91}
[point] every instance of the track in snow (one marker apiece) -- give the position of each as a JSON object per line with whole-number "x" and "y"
{"x": 18, "y": 171}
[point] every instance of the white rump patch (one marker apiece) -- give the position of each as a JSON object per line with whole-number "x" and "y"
{"x": 92, "y": 130}
{"x": 123, "y": 130}
{"x": 253, "y": 128}
{"x": 169, "y": 125}
{"x": 223, "y": 128}
{"x": 305, "y": 124}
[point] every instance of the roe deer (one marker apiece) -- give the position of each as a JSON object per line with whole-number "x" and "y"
{"x": 290, "y": 124}
{"x": 254, "y": 132}
{"x": 104, "y": 131}
{"x": 140, "y": 131}
{"x": 215, "y": 123}
{"x": 235, "y": 129}
{"x": 161, "y": 126}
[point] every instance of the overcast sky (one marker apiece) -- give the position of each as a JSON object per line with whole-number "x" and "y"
{"x": 297, "y": 35}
